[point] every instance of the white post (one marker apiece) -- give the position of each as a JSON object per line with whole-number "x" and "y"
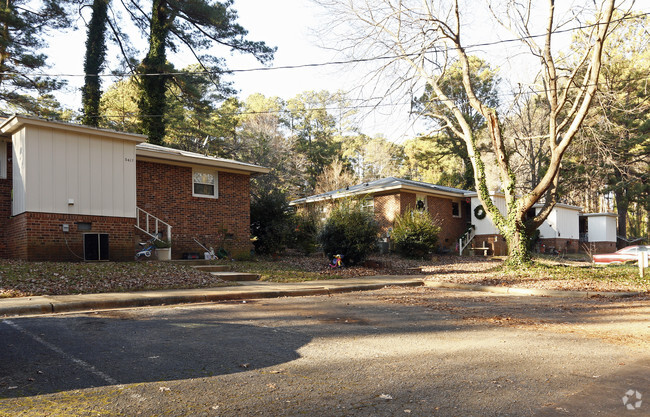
{"x": 643, "y": 263}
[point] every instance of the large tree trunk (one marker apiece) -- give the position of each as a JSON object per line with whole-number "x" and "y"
{"x": 518, "y": 249}
{"x": 621, "y": 208}
{"x": 94, "y": 62}
{"x": 152, "y": 103}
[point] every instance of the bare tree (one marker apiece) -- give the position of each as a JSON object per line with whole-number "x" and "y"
{"x": 419, "y": 39}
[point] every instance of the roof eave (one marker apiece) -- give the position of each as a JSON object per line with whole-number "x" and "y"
{"x": 374, "y": 190}
{"x": 234, "y": 166}
{"x": 16, "y": 122}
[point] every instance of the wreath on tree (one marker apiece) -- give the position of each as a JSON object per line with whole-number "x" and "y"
{"x": 479, "y": 212}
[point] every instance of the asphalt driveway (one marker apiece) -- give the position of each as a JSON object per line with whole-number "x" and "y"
{"x": 397, "y": 351}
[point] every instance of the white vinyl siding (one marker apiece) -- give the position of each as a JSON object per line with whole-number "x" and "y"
{"x": 561, "y": 223}
{"x": 601, "y": 228}
{"x": 3, "y": 159}
{"x": 485, "y": 226}
{"x": 59, "y": 171}
{"x": 205, "y": 183}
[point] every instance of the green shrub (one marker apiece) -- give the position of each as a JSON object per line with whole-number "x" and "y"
{"x": 271, "y": 222}
{"x": 305, "y": 233}
{"x": 415, "y": 234}
{"x": 349, "y": 231}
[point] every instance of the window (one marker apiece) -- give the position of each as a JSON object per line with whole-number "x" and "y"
{"x": 368, "y": 205}
{"x": 84, "y": 227}
{"x": 3, "y": 159}
{"x": 455, "y": 209}
{"x": 205, "y": 183}
{"x": 421, "y": 202}
{"x": 95, "y": 246}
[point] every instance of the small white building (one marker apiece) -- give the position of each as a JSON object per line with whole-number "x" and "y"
{"x": 598, "y": 231}
{"x": 560, "y": 231}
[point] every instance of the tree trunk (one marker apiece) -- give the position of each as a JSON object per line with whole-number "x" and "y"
{"x": 518, "y": 250}
{"x": 621, "y": 208}
{"x": 94, "y": 62}
{"x": 152, "y": 103}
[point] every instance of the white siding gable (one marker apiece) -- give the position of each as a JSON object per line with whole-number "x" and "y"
{"x": 60, "y": 171}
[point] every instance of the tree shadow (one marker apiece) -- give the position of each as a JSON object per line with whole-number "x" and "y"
{"x": 48, "y": 355}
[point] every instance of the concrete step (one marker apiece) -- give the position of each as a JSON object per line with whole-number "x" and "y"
{"x": 212, "y": 268}
{"x": 236, "y": 276}
{"x": 192, "y": 261}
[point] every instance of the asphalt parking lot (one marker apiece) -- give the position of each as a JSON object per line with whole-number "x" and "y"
{"x": 396, "y": 351}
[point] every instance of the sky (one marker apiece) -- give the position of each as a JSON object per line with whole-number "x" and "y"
{"x": 291, "y": 26}
{"x": 287, "y": 24}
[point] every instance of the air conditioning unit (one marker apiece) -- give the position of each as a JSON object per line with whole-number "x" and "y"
{"x": 96, "y": 246}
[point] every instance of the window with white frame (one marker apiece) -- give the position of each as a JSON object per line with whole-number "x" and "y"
{"x": 205, "y": 183}
{"x": 421, "y": 202}
{"x": 368, "y": 204}
{"x": 3, "y": 159}
{"x": 455, "y": 209}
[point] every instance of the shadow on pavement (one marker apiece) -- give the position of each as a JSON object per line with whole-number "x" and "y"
{"x": 48, "y": 355}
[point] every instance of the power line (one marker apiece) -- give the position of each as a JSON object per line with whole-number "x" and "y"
{"x": 323, "y": 64}
{"x": 365, "y": 106}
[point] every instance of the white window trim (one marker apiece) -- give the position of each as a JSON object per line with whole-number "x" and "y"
{"x": 3, "y": 159}
{"x": 459, "y": 215}
{"x": 424, "y": 198}
{"x": 216, "y": 182}
{"x": 368, "y": 204}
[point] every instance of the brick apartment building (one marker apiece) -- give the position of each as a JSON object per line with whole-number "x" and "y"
{"x": 71, "y": 192}
{"x": 455, "y": 211}
{"x": 388, "y": 197}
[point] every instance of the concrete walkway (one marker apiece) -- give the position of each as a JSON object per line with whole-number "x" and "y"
{"x": 25, "y": 306}
{"x": 22, "y": 306}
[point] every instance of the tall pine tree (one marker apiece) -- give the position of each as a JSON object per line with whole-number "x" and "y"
{"x": 94, "y": 62}
{"x": 198, "y": 25}
{"x": 22, "y": 29}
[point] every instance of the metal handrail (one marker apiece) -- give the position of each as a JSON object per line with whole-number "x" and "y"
{"x": 466, "y": 239}
{"x": 157, "y": 222}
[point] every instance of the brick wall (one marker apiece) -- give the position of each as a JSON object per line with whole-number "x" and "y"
{"x": 5, "y": 205}
{"x": 597, "y": 247}
{"x": 451, "y": 228}
{"x": 40, "y": 236}
{"x": 387, "y": 206}
{"x": 166, "y": 192}
{"x": 496, "y": 243}
{"x": 561, "y": 245}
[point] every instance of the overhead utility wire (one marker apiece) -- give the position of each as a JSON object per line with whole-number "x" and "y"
{"x": 323, "y": 64}
{"x": 365, "y": 106}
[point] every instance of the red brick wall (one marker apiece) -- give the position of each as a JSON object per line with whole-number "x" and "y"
{"x": 5, "y": 205}
{"x": 387, "y": 206}
{"x": 496, "y": 243}
{"x": 166, "y": 192}
{"x": 561, "y": 245}
{"x": 597, "y": 247}
{"x": 407, "y": 201}
{"x": 40, "y": 236}
{"x": 451, "y": 228}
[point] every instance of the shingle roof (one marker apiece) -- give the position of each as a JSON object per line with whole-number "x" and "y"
{"x": 163, "y": 152}
{"x": 383, "y": 184}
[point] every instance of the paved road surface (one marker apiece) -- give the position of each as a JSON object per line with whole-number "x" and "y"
{"x": 412, "y": 352}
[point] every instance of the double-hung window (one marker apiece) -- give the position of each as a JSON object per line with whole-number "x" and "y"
{"x": 455, "y": 209}
{"x": 205, "y": 183}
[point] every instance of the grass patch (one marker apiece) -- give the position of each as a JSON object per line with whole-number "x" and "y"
{"x": 614, "y": 275}
{"x": 276, "y": 271}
